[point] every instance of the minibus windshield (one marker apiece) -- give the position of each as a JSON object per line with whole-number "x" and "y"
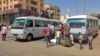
{"x": 76, "y": 23}
{"x": 18, "y": 24}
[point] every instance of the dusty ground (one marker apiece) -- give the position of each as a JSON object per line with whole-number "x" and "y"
{"x": 38, "y": 48}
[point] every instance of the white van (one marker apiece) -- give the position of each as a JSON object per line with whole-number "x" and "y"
{"x": 84, "y": 24}
{"x": 30, "y": 27}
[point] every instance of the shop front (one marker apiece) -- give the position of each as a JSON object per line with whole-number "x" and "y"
{"x": 7, "y": 16}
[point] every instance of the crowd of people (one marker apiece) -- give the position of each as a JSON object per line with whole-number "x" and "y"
{"x": 47, "y": 13}
{"x": 63, "y": 36}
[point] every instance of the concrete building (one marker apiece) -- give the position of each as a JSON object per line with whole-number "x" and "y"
{"x": 9, "y": 9}
{"x": 97, "y": 14}
{"x": 64, "y": 18}
{"x": 54, "y": 10}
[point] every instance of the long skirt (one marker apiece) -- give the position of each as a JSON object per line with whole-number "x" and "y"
{"x": 67, "y": 41}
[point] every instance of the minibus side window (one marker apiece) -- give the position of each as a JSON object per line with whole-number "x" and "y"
{"x": 38, "y": 23}
{"x": 29, "y": 23}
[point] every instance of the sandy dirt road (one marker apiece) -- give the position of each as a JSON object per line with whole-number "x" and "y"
{"x": 38, "y": 48}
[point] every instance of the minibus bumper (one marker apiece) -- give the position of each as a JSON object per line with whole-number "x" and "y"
{"x": 17, "y": 36}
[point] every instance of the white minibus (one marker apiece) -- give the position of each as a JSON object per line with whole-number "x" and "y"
{"x": 84, "y": 24}
{"x": 30, "y": 27}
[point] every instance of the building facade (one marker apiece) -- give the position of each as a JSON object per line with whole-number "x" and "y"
{"x": 64, "y": 18}
{"x": 10, "y": 9}
{"x": 53, "y": 11}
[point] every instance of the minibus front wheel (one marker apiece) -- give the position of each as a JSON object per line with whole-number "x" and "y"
{"x": 29, "y": 37}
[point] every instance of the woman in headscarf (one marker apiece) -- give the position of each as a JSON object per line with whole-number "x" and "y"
{"x": 67, "y": 36}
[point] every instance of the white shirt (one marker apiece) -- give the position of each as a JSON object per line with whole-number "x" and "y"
{"x": 4, "y": 29}
{"x": 90, "y": 37}
{"x": 71, "y": 37}
{"x": 52, "y": 28}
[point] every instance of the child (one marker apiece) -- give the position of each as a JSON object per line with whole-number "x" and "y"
{"x": 57, "y": 36}
{"x": 80, "y": 40}
{"x": 90, "y": 41}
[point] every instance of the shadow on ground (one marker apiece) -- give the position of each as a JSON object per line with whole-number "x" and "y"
{"x": 24, "y": 40}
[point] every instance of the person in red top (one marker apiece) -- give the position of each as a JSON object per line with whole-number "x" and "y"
{"x": 47, "y": 35}
{"x": 62, "y": 31}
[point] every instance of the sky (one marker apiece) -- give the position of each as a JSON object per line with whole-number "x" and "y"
{"x": 76, "y": 6}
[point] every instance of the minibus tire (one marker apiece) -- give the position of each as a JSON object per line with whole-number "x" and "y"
{"x": 29, "y": 37}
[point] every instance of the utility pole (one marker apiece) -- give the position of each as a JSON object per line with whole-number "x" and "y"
{"x": 76, "y": 5}
{"x": 77, "y": 8}
{"x": 84, "y": 6}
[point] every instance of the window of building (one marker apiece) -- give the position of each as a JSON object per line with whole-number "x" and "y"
{"x": 0, "y": 3}
{"x": 18, "y": 6}
{"x": 32, "y": 8}
{"x": 11, "y": 7}
{"x": 15, "y": 0}
{"x": 4, "y": 8}
{"x": 41, "y": 5}
{"x": 20, "y": 0}
{"x": 35, "y": 9}
{"x": 58, "y": 10}
{"x": 34, "y": 2}
{"x": 27, "y": 1}
{"x": 0, "y": 8}
{"x": 4, "y": 1}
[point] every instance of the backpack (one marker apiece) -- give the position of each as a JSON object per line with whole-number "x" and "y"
{"x": 67, "y": 33}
